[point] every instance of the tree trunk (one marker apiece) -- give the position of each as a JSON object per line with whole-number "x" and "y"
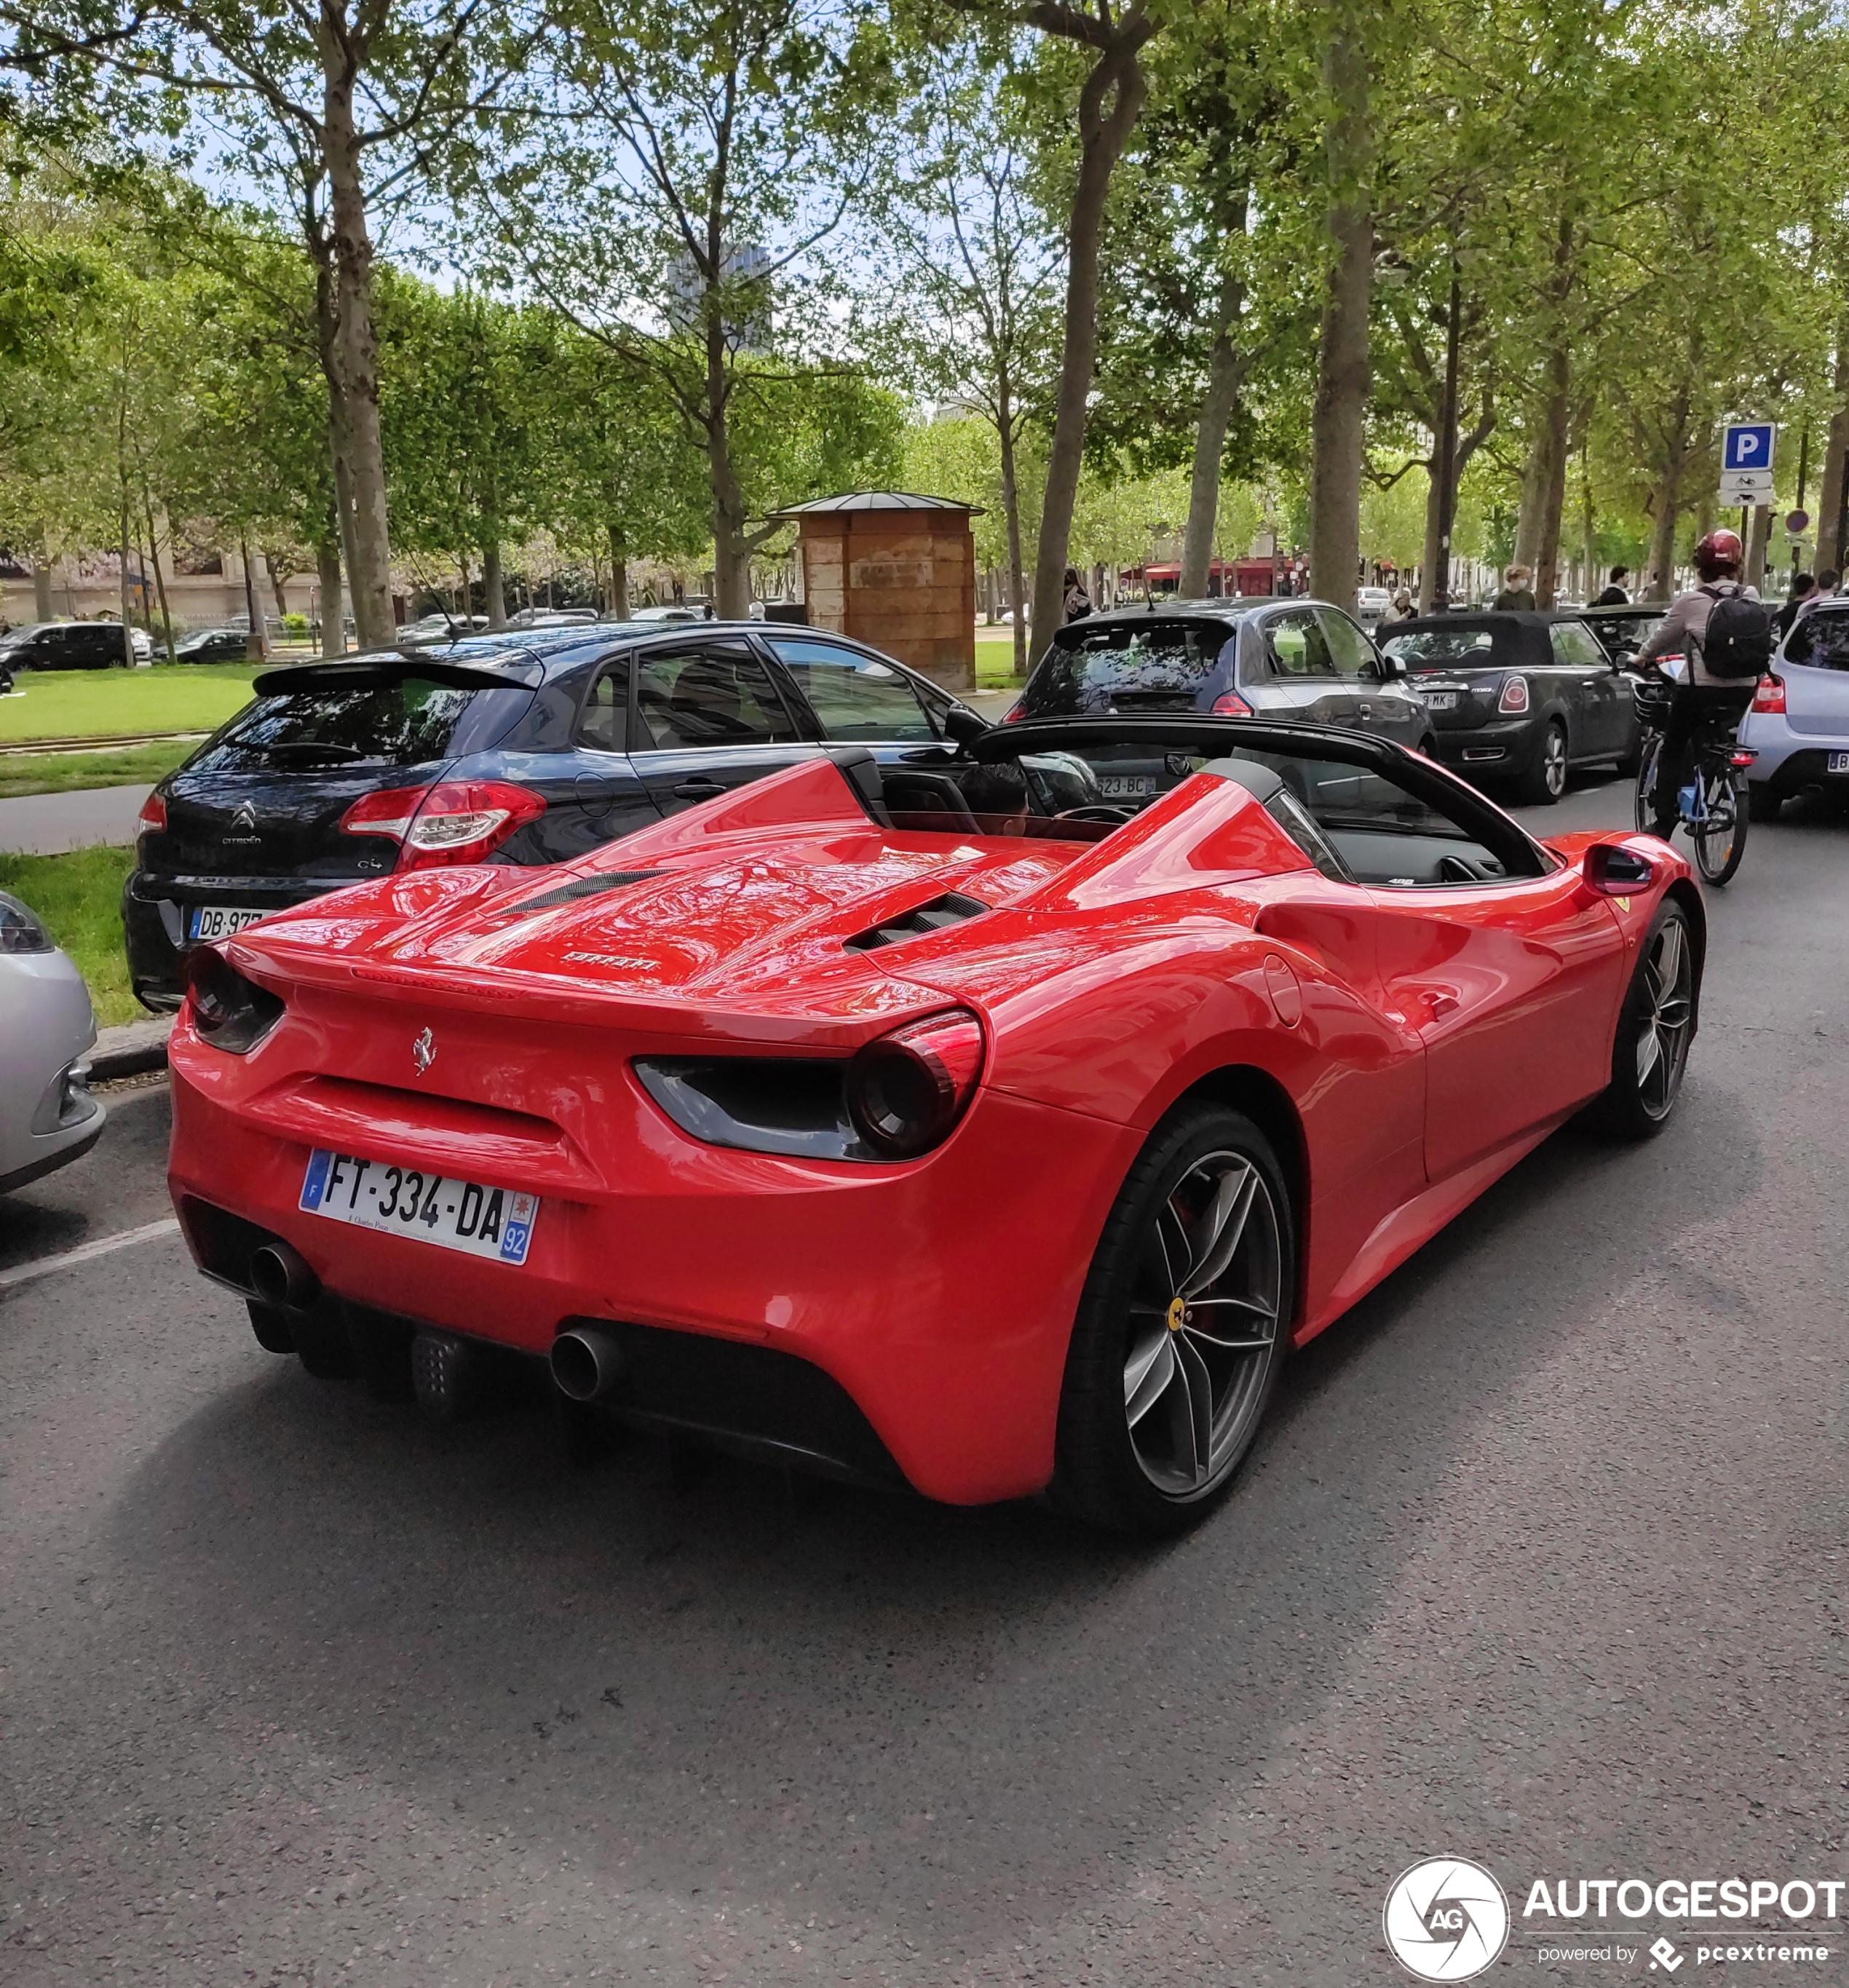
{"x": 41, "y": 589}
{"x": 1011, "y": 517}
{"x": 492, "y": 587}
{"x": 1537, "y": 535}
{"x": 1761, "y": 537}
{"x": 1225, "y": 369}
{"x": 1548, "y": 560}
{"x": 619, "y": 573}
{"x": 1830, "y": 497}
{"x": 1109, "y": 105}
{"x": 1338, "y": 418}
{"x": 279, "y": 587}
{"x": 334, "y": 626}
{"x": 368, "y": 549}
{"x": 254, "y": 646}
{"x": 166, "y": 617}
{"x": 1441, "y": 499}
{"x": 1669, "y": 505}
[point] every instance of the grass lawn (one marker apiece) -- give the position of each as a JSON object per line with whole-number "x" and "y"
{"x": 63, "y": 772}
{"x": 79, "y": 898}
{"x": 106, "y": 704}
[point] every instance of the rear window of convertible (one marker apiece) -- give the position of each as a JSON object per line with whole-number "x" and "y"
{"x": 402, "y": 721}
{"x": 1441, "y": 649}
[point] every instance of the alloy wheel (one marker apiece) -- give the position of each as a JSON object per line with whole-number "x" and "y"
{"x": 1204, "y": 1323}
{"x": 1662, "y": 1039}
{"x": 1553, "y": 761}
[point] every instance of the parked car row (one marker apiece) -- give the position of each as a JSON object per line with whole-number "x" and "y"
{"x": 72, "y": 645}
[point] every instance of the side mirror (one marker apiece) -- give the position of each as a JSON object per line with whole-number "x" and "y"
{"x": 1614, "y": 870}
{"x": 963, "y": 726}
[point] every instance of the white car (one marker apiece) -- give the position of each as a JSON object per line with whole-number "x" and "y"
{"x": 1371, "y": 603}
{"x": 47, "y": 1116}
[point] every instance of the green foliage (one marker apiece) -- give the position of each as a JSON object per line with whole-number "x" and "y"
{"x": 79, "y": 898}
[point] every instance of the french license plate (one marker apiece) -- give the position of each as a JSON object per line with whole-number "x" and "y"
{"x": 1441, "y": 700}
{"x": 221, "y": 920}
{"x": 490, "y": 1222}
{"x": 1839, "y": 763}
{"x": 1126, "y": 786}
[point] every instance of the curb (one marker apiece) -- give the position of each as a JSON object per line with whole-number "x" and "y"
{"x": 130, "y": 1050}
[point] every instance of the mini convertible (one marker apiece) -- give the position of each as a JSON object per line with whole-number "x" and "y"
{"x": 955, "y": 1127}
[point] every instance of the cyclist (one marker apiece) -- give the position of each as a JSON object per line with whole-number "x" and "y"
{"x": 1700, "y": 698}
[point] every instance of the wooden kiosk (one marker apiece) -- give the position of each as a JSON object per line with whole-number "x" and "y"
{"x": 895, "y": 570}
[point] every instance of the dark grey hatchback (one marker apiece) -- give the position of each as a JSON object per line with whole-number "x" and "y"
{"x": 528, "y": 747}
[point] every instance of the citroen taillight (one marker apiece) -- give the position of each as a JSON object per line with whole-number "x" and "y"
{"x": 456, "y": 821}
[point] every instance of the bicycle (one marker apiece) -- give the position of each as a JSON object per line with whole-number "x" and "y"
{"x": 1714, "y": 808}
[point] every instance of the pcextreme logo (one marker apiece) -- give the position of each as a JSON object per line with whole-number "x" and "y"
{"x": 1446, "y": 1919}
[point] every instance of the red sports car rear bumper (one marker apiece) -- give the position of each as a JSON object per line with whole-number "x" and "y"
{"x": 940, "y": 1294}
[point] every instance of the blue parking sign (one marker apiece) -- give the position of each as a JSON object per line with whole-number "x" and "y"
{"x": 1748, "y": 445}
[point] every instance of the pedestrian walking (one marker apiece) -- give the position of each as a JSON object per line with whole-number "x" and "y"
{"x": 1402, "y": 609}
{"x": 1803, "y": 586}
{"x": 1614, "y": 595}
{"x": 1827, "y": 582}
{"x": 1078, "y": 602}
{"x": 1517, "y": 597}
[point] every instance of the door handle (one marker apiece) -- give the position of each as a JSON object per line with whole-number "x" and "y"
{"x": 703, "y": 788}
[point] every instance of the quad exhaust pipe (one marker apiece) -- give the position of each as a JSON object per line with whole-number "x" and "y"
{"x": 279, "y": 1277}
{"x": 588, "y": 1363}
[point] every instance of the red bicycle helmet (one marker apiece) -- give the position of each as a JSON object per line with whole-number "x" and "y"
{"x": 1719, "y": 550}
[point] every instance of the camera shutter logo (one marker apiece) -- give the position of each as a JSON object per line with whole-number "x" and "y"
{"x": 1446, "y": 1919}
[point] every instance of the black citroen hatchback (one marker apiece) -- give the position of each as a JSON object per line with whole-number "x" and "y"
{"x": 532, "y": 747}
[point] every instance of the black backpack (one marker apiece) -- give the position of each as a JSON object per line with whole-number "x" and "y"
{"x": 1737, "y": 643}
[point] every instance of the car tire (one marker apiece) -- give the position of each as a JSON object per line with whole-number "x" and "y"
{"x": 1544, "y": 781}
{"x": 1763, "y": 803}
{"x": 1159, "y": 1405}
{"x": 270, "y": 1324}
{"x": 1641, "y": 1096}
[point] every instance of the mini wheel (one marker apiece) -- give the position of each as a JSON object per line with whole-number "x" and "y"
{"x": 1181, "y": 1330}
{"x": 1546, "y": 780}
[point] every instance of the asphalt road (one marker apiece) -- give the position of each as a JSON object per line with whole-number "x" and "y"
{"x": 1539, "y": 1562}
{"x": 49, "y": 824}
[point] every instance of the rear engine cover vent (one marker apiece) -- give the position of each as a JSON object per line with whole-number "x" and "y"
{"x": 951, "y": 909}
{"x": 587, "y": 887}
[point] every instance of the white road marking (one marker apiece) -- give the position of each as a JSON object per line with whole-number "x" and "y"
{"x": 85, "y": 1252}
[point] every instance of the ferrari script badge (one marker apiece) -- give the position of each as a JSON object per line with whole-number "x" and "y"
{"x": 423, "y": 1052}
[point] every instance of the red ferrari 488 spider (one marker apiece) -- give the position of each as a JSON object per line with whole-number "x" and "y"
{"x": 992, "y": 1124}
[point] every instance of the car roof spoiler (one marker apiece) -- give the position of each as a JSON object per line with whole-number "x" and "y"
{"x": 515, "y": 672}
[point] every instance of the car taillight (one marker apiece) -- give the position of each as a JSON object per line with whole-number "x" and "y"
{"x": 1013, "y": 715}
{"x": 1769, "y": 697}
{"x": 456, "y": 821}
{"x": 1230, "y": 703}
{"x": 906, "y": 1091}
{"x": 1515, "y": 695}
{"x": 227, "y": 1011}
{"x": 152, "y": 820}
